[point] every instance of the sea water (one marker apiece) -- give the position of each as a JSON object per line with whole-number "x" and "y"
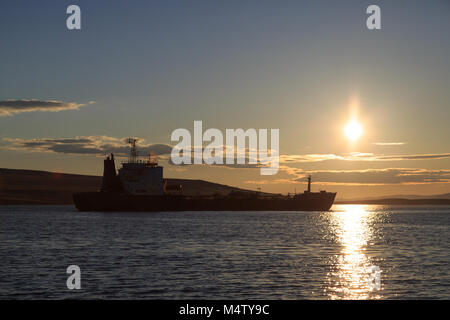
{"x": 227, "y": 255}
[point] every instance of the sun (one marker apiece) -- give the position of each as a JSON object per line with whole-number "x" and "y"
{"x": 353, "y": 130}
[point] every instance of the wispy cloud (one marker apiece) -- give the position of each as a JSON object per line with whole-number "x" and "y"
{"x": 274, "y": 181}
{"x": 359, "y": 156}
{"x": 412, "y": 157}
{"x": 367, "y": 177}
{"x": 386, "y": 176}
{"x": 293, "y": 158}
{"x": 389, "y": 143}
{"x": 14, "y": 106}
{"x": 101, "y": 145}
{"x": 87, "y": 145}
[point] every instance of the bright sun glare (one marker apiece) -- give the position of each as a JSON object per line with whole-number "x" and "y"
{"x": 353, "y": 130}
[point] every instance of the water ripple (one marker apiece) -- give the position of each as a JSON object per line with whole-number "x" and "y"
{"x": 226, "y": 255}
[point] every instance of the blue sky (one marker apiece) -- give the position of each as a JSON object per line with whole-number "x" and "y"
{"x": 154, "y": 66}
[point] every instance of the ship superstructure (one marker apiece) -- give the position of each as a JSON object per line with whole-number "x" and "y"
{"x": 141, "y": 177}
{"x": 135, "y": 177}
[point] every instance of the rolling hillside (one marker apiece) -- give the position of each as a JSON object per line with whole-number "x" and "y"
{"x": 42, "y": 187}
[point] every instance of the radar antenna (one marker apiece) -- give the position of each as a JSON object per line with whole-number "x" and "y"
{"x": 133, "y": 151}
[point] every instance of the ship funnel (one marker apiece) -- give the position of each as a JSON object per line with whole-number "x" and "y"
{"x": 110, "y": 182}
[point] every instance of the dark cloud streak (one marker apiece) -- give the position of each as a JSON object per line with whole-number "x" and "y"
{"x": 92, "y": 145}
{"x": 15, "y": 106}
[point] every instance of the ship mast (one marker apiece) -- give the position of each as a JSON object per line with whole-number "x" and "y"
{"x": 133, "y": 151}
{"x": 309, "y": 183}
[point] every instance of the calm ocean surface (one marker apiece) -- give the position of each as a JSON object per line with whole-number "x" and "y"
{"x": 229, "y": 255}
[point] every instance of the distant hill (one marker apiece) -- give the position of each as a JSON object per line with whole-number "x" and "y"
{"x": 436, "y": 199}
{"x": 405, "y": 196}
{"x": 399, "y": 201}
{"x": 42, "y": 187}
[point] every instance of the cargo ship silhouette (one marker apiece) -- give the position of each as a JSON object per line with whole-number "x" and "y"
{"x": 139, "y": 186}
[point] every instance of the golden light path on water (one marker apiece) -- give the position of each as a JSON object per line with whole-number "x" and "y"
{"x": 353, "y": 229}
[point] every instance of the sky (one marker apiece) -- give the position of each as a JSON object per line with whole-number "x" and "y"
{"x": 145, "y": 68}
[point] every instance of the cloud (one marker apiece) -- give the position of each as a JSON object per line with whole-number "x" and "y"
{"x": 373, "y": 177}
{"x": 88, "y": 145}
{"x": 389, "y": 143}
{"x": 414, "y": 157}
{"x": 359, "y": 156}
{"x": 101, "y": 145}
{"x": 249, "y": 157}
{"x": 387, "y": 176}
{"x": 12, "y": 106}
{"x": 369, "y": 177}
{"x": 275, "y": 181}
{"x": 309, "y": 158}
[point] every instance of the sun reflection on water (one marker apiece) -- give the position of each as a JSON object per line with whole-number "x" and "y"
{"x": 352, "y": 227}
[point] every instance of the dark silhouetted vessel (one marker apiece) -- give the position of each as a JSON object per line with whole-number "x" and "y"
{"x": 139, "y": 186}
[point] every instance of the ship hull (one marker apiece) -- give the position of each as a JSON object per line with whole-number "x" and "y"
{"x": 105, "y": 201}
